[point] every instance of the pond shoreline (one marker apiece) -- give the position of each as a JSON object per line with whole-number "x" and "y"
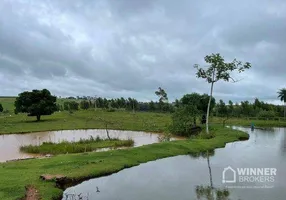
{"x": 79, "y": 167}
{"x": 67, "y": 182}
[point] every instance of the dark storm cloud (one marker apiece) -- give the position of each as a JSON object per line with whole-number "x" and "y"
{"x": 129, "y": 48}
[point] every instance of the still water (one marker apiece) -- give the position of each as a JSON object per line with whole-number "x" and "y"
{"x": 190, "y": 177}
{"x": 10, "y": 144}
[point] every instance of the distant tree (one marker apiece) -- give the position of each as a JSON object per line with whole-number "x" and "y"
{"x": 200, "y": 101}
{"x": 163, "y": 97}
{"x": 161, "y": 93}
{"x": 132, "y": 104}
{"x": 66, "y": 105}
{"x": 1, "y": 108}
{"x": 203, "y": 106}
{"x": 230, "y": 107}
{"x": 73, "y": 105}
{"x": 246, "y": 108}
{"x": 36, "y": 103}
{"x": 282, "y": 97}
{"x": 84, "y": 104}
{"x": 222, "y": 108}
{"x": 152, "y": 106}
{"x": 218, "y": 70}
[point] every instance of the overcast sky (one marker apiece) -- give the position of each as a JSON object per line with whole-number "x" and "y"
{"x": 115, "y": 48}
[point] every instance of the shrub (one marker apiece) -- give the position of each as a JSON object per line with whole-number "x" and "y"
{"x": 183, "y": 122}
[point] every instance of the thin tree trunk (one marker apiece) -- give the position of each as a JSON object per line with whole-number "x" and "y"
{"x": 208, "y": 110}
{"x": 38, "y": 117}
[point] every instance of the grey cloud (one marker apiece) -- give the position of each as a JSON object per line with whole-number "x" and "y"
{"x": 130, "y": 48}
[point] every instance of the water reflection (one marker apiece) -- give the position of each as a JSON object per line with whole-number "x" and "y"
{"x": 197, "y": 176}
{"x": 10, "y": 144}
{"x": 209, "y": 192}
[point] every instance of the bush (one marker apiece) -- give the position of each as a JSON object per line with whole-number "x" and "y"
{"x": 183, "y": 122}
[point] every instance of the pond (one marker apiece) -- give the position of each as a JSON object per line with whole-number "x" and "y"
{"x": 10, "y": 144}
{"x": 190, "y": 177}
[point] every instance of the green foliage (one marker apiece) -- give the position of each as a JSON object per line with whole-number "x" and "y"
{"x": 219, "y": 69}
{"x": 163, "y": 99}
{"x": 161, "y": 93}
{"x": 36, "y": 103}
{"x": 84, "y": 145}
{"x": 222, "y": 109}
{"x": 183, "y": 121}
{"x": 1, "y": 108}
{"x": 266, "y": 114}
{"x": 84, "y": 105}
{"x": 282, "y": 94}
{"x": 198, "y": 100}
{"x": 71, "y": 105}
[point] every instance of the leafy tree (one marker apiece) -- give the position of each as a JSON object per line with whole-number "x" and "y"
{"x": 36, "y": 103}
{"x": 222, "y": 109}
{"x": 203, "y": 106}
{"x": 218, "y": 70}
{"x": 282, "y": 97}
{"x": 1, "y": 108}
{"x": 230, "y": 107}
{"x": 192, "y": 101}
{"x": 201, "y": 101}
{"x": 152, "y": 106}
{"x": 163, "y": 97}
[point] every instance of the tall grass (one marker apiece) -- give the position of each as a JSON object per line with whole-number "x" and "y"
{"x": 84, "y": 145}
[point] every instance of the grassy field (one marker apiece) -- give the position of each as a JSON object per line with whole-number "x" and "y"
{"x": 248, "y": 122}
{"x": 82, "y": 146}
{"x": 8, "y": 103}
{"x": 16, "y": 175}
{"x": 120, "y": 120}
{"x": 140, "y": 121}
{"x": 153, "y": 122}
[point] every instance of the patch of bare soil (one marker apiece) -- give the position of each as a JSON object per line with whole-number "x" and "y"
{"x": 31, "y": 193}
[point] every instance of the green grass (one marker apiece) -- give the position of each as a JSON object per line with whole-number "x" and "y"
{"x": 90, "y": 119}
{"x": 248, "y": 122}
{"x": 8, "y": 103}
{"x": 16, "y": 175}
{"x": 84, "y": 145}
{"x": 121, "y": 120}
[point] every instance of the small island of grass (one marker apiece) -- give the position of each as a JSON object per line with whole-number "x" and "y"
{"x": 83, "y": 145}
